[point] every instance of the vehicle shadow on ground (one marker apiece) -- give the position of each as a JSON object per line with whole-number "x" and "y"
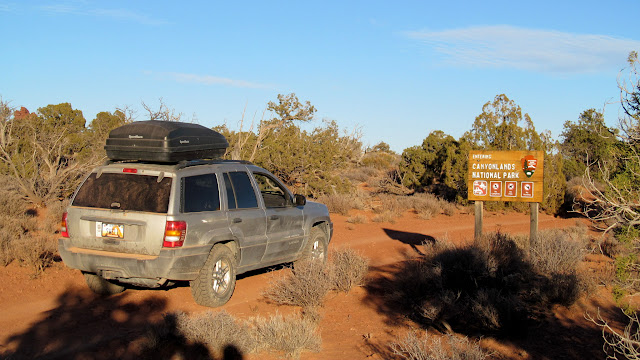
{"x": 412, "y": 239}
{"x": 87, "y": 326}
{"x": 512, "y": 311}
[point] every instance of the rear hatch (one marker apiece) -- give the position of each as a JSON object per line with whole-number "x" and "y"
{"x": 121, "y": 209}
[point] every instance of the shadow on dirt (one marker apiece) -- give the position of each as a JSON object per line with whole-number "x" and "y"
{"x": 86, "y": 326}
{"x": 412, "y": 239}
{"x": 489, "y": 290}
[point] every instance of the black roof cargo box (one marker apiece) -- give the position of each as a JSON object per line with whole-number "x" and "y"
{"x": 164, "y": 141}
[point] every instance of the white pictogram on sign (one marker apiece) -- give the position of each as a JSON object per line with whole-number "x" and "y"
{"x": 496, "y": 189}
{"x": 527, "y": 189}
{"x": 480, "y": 188}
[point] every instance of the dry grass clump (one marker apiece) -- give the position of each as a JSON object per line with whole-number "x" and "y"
{"x": 556, "y": 255}
{"x": 362, "y": 174}
{"x": 429, "y": 347}
{"x": 24, "y": 237}
{"x": 304, "y": 285}
{"x": 394, "y": 203}
{"x": 217, "y": 331}
{"x": 36, "y": 251}
{"x": 348, "y": 269}
{"x": 12, "y": 205}
{"x": 427, "y": 205}
{"x": 385, "y": 216}
{"x": 307, "y": 284}
{"x": 11, "y": 230}
{"x": 610, "y": 247}
{"x": 557, "y": 251}
{"x": 219, "y": 335}
{"x": 489, "y": 286}
{"x": 289, "y": 335}
{"x": 358, "y": 219}
{"x": 343, "y": 203}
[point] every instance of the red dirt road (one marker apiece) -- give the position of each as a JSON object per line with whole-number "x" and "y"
{"x": 57, "y": 316}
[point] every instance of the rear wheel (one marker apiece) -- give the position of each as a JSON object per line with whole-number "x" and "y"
{"x": 217, "y": 279}
{"x": 102, "y": 286}
{"x": 316, "y": 248}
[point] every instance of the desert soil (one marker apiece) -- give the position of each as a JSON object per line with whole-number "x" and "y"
{"x": 55, "y": 315}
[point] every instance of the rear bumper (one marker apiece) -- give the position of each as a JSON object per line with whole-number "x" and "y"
{"x": 170, "y": 264}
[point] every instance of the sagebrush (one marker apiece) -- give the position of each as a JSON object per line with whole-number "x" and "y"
{"x": 220, "y": 335}
{"x": 304, "y": 285}
{"x": 348, "y": 269}
{"x": 287, "y": 334}
{"x": 430, "y": 347}
{"x": 307, "y": 283}
{"x": 490, "y": 286}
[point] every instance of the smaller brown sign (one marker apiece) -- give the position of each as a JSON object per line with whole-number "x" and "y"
{"x": 527, "y": 189}
{"x": 511, "y": 188}
{"x": 480, "y": 188}
{"x": 496, "y": 189}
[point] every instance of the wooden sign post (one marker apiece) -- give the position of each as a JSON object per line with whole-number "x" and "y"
{"x": 506, "y": 176}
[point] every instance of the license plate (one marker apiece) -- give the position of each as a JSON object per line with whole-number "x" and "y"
{"x": 109, "y": 230}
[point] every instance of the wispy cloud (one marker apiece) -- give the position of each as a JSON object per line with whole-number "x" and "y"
{"x": 6, "y": 7}
{"x": 214, "y": 80}
{"x": 82, "y": 9}
{"x": 504, "y": 46}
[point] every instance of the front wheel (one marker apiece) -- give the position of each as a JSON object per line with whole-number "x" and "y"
{"x": 316, "y": 248}
{"x": 217, "y": 279}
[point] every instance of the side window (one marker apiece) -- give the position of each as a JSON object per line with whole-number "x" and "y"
{"x": 200, "y": 193}
{"x": 231, "y": 197}
{"x": 240, "y": 193}
{"x": 272, "y": 193}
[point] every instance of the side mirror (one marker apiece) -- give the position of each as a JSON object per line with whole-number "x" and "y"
{"x": 299, "y": 200}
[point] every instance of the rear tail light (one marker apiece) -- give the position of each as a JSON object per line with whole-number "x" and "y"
{"x": 174, "y": 234}
{"x": 64, "y": 231}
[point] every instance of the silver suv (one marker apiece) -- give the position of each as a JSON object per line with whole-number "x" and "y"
{"x": 203, "y": 221}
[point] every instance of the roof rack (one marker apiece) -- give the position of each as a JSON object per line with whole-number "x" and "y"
{"x": 187, "y": 163}
{"x": 181, "y": 164}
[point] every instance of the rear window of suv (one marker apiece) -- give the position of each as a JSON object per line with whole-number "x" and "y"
{"x": 125, "y": 192}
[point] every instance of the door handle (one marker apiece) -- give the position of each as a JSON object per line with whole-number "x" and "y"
{"x": 237, "y": 220}
{"x": 274, "y": 217}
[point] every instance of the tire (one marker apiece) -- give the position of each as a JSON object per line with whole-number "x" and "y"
{"x": 102, "y": 286}
{"x": 217, "y": 279}
{"x": 316, "y": 248}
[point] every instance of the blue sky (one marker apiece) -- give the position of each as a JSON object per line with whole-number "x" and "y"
{"x": 395, "y": 70}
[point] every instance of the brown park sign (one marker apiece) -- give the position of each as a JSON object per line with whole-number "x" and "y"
{"x": 505, "y": 176}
